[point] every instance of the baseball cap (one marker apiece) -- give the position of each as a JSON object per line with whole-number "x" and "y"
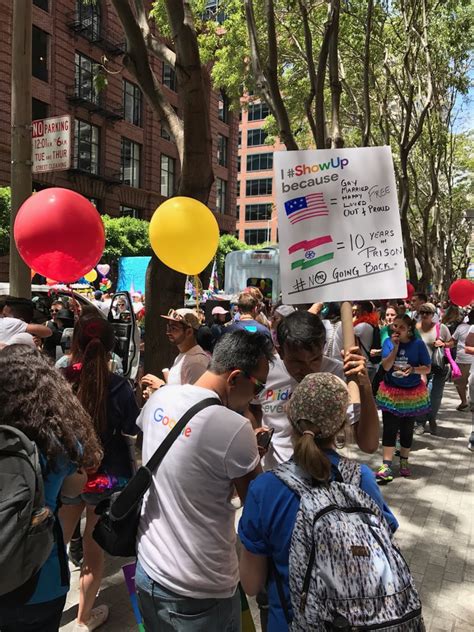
{"x": 219, "y": 310}
{"x": 184, "y": 315}
{"x": 321, "y": 400}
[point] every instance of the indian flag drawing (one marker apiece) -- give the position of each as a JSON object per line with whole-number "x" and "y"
{"x": 311, "y": 252}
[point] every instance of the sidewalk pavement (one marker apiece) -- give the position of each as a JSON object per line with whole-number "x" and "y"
{"x": 435, "y": 509}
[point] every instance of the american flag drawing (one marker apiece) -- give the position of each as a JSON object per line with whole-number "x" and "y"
{"x": 310, "y": 256}
{"x": 306, "y": 207}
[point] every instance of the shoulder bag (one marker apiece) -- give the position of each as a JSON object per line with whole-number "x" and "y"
{"x": 116, "y": 530}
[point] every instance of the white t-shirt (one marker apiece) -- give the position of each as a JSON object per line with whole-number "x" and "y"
{"x": 273, "y": 399}
{"x": 10, "y": 327}
{"x": 429, "y": 337}
{"x": 460, "y": 335}
{"x": 186, "y": 538}
{"x": 363, "y": 331}
{"x": 188, "y": 367}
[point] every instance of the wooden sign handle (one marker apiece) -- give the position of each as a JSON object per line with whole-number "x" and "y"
{"x": 349, "y": 341}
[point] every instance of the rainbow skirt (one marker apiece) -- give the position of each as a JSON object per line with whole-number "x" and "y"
{"x": 403, "y": 402}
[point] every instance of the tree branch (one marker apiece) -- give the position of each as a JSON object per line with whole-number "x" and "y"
{"x": 366, "y": 85}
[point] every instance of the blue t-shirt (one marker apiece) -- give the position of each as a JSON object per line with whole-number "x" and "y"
{"x": 267, "y": 524}
{"x": 249, "y": 325}
{"x": 49, "y": 583}
{"x": 415, "y": 353}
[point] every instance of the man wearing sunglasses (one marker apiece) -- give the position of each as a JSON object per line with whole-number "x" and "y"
{"x": 187, "y": 571}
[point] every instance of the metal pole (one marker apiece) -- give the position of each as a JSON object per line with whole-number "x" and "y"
{"x": 21, "y": 184}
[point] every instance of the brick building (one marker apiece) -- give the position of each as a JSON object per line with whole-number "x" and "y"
{"x": 123, "y": 159}
{"x": 257, "y": 217}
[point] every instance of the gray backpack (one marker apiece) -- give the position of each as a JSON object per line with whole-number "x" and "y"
{"x": 345, "y": 571}
{"x": 27, "y": 526}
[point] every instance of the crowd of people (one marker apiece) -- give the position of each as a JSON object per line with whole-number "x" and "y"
{"x": 269, "y": 444}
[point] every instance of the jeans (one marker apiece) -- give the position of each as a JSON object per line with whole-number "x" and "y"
{"x": 165, "y": 611}
{"x": 436, "y": 388}
{"x": 39, "y": 617}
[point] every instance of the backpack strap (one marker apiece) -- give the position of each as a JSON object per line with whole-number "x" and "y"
{"x": 292, "y": 476}
{"x": 349, "y": 471}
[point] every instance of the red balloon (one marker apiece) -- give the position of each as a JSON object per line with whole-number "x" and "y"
{"x": 59, "y": 234}
{"x": 461, "y": 292}
{"x": 410, "y": 290}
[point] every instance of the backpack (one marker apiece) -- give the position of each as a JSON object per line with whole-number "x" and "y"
{"x": 27, "y": 526}
{"x": 345, "y": 571}
{"x": 376, "y": 344}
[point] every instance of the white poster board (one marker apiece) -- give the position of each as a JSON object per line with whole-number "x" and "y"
{"x": 339, "y": 225}
{"x": 51, "y": 144}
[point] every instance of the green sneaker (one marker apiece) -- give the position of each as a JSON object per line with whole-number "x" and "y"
{"x": 384, "y": 474}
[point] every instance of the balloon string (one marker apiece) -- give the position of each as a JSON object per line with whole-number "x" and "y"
{"x": 196, "y": 285}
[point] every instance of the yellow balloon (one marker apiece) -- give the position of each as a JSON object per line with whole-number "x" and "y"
{"x": 91, "y": 276}
{"x": 184, "y": 234}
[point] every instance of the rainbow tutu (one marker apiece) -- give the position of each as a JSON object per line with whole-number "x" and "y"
{"x": 403, "y": 402}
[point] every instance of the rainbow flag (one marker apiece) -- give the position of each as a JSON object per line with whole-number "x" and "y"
{"x": 310, "y": 257}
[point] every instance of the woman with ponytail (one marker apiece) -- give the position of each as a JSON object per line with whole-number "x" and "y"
{"x": 110, "y": 402}
{"x": 317, "y": 412}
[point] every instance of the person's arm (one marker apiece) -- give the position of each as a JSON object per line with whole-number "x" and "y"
{"x": 445, "y": 340}
{"x": 242, "y": 483}
{"x": 367, "y": 428}
{"x": 469, "y": 344}
{"x": 253, "y": 572}
{"x": 40, "y": 331}
{"x": 74, "y": 484}
{"x": 255, "y": 415}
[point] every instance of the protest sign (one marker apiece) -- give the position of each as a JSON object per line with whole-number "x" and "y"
{"x": 339, "y": 225}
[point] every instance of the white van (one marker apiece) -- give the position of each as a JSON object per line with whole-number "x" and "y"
{"x": 254, "y": 268}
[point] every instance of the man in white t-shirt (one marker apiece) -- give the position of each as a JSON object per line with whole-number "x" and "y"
{"x": 15, "y": 319}
{"x": 187, "y": 571}
{"x": 192, "y": 361}
{"x": 301, "y": 338}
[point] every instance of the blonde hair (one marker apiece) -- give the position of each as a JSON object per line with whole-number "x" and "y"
{"x": 309, "y": 451}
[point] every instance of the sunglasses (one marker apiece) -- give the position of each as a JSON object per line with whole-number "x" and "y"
{"x": 258, "y": 386}
{"x": 426, "y": 313}
{"x": 54, "y": 311}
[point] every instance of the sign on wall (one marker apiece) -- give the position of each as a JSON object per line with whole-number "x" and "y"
{"x": 51, "y": 140}
{"x": 339, "y": 225}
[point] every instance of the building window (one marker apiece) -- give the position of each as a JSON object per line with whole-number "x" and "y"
{"x": 132, "y": 103}
{"x": 164, "y": 133}
{"x": 214, "y": 11}
{"x": 42, "y": 4}
{"x": 239, "y": 162}
{"x": 39, "y": 109}
{"x": 130, "y": 211}
{"x": 40, "y": 54}
{"x": 256, "y": 236}
{"x": 256, "y": 137}
{"x": 262, "y": 186}
{"x": 167, "y": 167}
{"x": 222, "y": 144}
{"x": 239, "y": 142}
{"x": 86, "y": 146}
{"x": 258, "y": 111}
{"x": 130, "y": 168}
{"x": 221, "y": 195}
{"x": 85, "y": 71}
{"x": 88, "y": 16}
{"x": 258, "y": 212}
{"x": 223, "y": 109}
{"x": 169, "y": 77}
{"x": 259, "y": 162}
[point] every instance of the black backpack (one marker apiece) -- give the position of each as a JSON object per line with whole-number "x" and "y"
{"x": 27, "y": 526}
{"x": 376, "y": 344}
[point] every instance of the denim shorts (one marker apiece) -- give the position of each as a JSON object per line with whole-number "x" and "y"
{"x": 88, "y": 498}
{"x": 165, "y": 611}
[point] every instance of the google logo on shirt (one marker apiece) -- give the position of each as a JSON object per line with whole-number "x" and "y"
{"x": 169, "y": 422}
